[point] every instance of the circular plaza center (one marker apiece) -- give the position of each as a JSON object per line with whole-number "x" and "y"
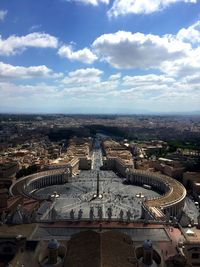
{"x": 80, "y": 198}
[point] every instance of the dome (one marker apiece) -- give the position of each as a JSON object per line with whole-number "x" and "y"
{"x": 147, "y": 244}
{"x": 53, "y": 244}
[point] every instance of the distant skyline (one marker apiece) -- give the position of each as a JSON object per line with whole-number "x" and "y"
{"x": 99, "y": 56}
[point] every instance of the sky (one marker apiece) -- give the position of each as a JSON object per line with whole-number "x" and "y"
{"x": 99, "y": 56}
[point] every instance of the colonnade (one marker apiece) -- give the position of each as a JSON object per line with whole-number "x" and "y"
{"x": 28, "y": 184}
{"x": 45, "y": 181}
{"x": 172, "y": 200}
{"x": 140, "y": 178}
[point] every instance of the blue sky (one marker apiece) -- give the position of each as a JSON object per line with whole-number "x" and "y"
{"x": 99, "y": 56}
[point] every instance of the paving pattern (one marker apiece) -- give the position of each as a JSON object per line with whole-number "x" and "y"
{"x": 78, "y": 199}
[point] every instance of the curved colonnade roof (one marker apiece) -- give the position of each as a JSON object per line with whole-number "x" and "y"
{"x": 176, "y": 193}
{"x": 17, "y": 187}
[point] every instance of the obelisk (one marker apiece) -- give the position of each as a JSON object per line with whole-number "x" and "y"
{"x": 97, "y": 184}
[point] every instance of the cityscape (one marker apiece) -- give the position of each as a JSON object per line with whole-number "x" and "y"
{"x": 100, "y": 133}
{"x": 68, "y": 181}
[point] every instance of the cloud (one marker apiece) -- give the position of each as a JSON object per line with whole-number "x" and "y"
{"x": 90, "y": 2}
{"x": 147, "y": 80}
{"x": 85, "y": 72}
{"x": 3, "y": 14}
{"x": 88, "y": 84}
{"x": 190, "y": 34}
{"x": 137, "y": 50}
{"x": 8, "y": 71}
{"x": 193, "y": 79}
{"x": 35, "y": 27}
{"x": 28, "y": 95}
{"x": 114, "y": 77}
{"x": 190, "y": 63}
{"x": 143, "y": 87}
{"x": 82, "y": 77}
{"x": 15, "y": 44}
{"x": 174, "y": 55}
{"x": 123, "y": 7}
{"x": 172, "y": 61}
{"x": 84, "y": 55}
{"x": 87, "y": 88}
{"x": 185, "y": 66}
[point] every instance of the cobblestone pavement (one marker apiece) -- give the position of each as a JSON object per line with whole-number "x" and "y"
{"x": 78, "y": 197}
{"x": 80, "y": 193}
